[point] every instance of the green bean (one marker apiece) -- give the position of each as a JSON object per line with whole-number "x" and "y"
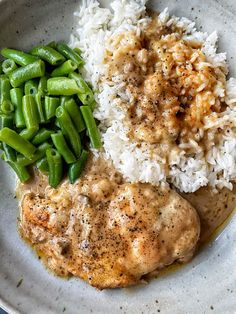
{"x": 57, "y": 124}
{"x": 52, "y": 44}
{"x": 62, "y": 86}
{"x": 31, "y": 87}
{"x": 66, "y": 68}
{"x": 77, "y": 51}
{"x": 40, "y": 153}
{"x": 70, "y": 54}
{"x": 69, "y": 130}
{"x": 55, "y": 167}
{"x": 62, "y": 147}
{"x": 29, "y": 133}
{"x": 6, "y": 121}
{"x": 8, "y": 66}
{"x": 75, "y": 114}
{"x": 4, "y": 89}
{"x": 30, "y": 112}
{"x": 42, "y": 88}
{"x": 44, "y": 146}
{"x": 62, "y": 129}
{"x": 7, "y": 107}
{"x": 51, "y": 105}
{"x": 42, "y": 136}
{"x": 28, "y": 72}
{"x": 21, "y": 171}
{"x": 48, "y": 54}
{"x": 18, "y": 143}
{"x": 10, "y": 153}
{"x": 63, "y": 99}
{"x": 93, "y": 131}
{"x": 18, "y": 56}
{"x": 38, "y": 100}
{"x": 76, "y": 168}
{"x": 42, "y": 165}
{"x": 85, "y": 93}
{"x": 16, "y": 95}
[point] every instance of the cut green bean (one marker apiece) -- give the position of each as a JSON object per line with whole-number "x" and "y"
{"x": 55, "y": 167}
{"x": 51, "y": 104}
{"x": 57, "y": 124}
{"x": 66, "y": 68}
{"x": 62, "y": 147}
{"x": 42, "y": 165}
{"x": 18, "y": 56}
{"x": 63, "y": 130}
{"x": 69, "y": 53}
{"x": 77, "y": 51}
{"x": 93, "y": 131}
{"x": 30, "y": 112}
{"x": 16, "y": 95}
{"x": 85, "y": 93}
{"x": 29, "y": 133}
{"x": 8, "y": 66}
{"x": 48, "y": 54}
{"x": 62, "y": 86}
{"x": 63, "y": 99}
{"x": 4, "y": 89}
{"x": 10, "y": 153}
{"x": 76, "y": 168}
{"x": 7, "y": 107}
{"x": 6, "y": 121}
{"x": 42, "y": 88}
{"x": 28, "y": 72}
{"x": 42, "y": 136}
{"x": 40, "y": 105}
{"x": 21, "y": 171}
{"x": 73, "y": 109}
{"x": 69, "y": 129}
{"x": 44, "y": 146}
{"x": 31, "y": 87}
{"x": 40, "y": 153}
{"x": 52, "y": 44}
{"x": 18, "y": 143}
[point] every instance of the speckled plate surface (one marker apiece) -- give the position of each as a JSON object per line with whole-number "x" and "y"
{"x": 206, "y": 285}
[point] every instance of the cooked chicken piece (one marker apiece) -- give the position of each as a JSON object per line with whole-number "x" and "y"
{"x": 108, "y": 232}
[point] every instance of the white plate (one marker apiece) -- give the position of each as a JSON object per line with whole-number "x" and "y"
{"x": 206, "y": 285}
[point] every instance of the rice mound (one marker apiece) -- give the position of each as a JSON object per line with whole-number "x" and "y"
{"x": 214, "y": 166}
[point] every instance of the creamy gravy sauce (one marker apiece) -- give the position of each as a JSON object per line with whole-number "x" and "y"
{"x": 172, "y": 92}
{"x": 213, "y": 208}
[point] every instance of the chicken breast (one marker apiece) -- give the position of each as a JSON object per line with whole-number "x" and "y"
{"x": 106, "y": 231}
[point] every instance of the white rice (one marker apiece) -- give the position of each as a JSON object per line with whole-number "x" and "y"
{"x": 217, "y": 165}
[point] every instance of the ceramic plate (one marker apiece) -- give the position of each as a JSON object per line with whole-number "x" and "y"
{"x": 206, "y": 285}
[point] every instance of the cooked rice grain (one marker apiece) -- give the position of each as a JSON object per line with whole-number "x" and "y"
{"x": 213, "y": 164}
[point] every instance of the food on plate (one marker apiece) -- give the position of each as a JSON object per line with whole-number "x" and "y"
{"x": 42, "y": 122}
{"x": 105, "y": 230}
{"x": 149, "y": 98}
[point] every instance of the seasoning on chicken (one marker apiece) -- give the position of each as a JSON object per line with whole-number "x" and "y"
{"x": 105, "y": 231}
